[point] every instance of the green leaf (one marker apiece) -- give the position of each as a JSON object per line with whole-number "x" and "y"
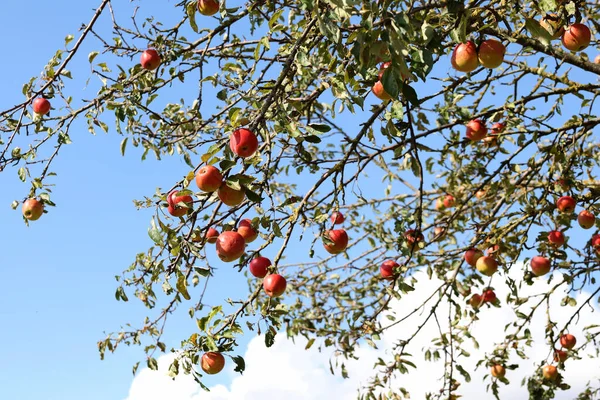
{"x": 91, "y": 56}
{"x": 320, "y": 127}
{"x": 312, "y": 139}
{"x": 547, "y": 5}
{"x": 240, "y": 364}
{"x": 190, "y": 10}
{"x": 123, "y": 145}
{"x": 155, "y": 234}
{"x": 459, "y": 34}
{"x": 410, "y": 94}
{"x": 182, "y": 287}
{"x": 537, "y": 32}
{"x": 22, "y": 174}
{"x": 390, "y": 81}
{"x": 152, "y": 364}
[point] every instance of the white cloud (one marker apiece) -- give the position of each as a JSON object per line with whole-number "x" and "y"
{"x": 295, "y": 374}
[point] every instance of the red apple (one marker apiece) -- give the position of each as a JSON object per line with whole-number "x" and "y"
{"x": 550, "y": 372}
{"x": 540, "y": 265}
{"x": 41, "y": 106}
{"x": 597, "y": 59}
{"x": 413, "y": 236}
{"x": 230, "y": 246}
{"x": 243, "y": 142}
{"x": 476, "y": 130}
{"x": 556, "y": 238}
{"x": 230, "y": 196}
{"x": 486, "y": 265}
{"x": 475, "y": 301}
{"x": 560, "y": 356}
{"x": 497, "y": 128}
{"x": 212, "y": 362}
{"x": 491, "y": 53}
{"x": 247, "y": 231}
{"x": 212, "y": 235}
{"x": 464, "y": 57}
{"x": 472, "y": 255}
{"x": 274, "y": 285}
{"x": 596, "y": 242}
{"x": 209, "y": 178}
{"x": 498, "y": 371}
{"x": 449, "y": 201}
{"x": 576, "y": 37}
{"x": 566, "y": 204}
{"x": 438, "y": 231}
{"x": 380, "y": 92}
{"x": 208, "y": 7}
{"x": 337, "y": 218}
{"x": 32, "y": 209}
{"x": 150, "y": 59}
{"x": 586, "y": 219}
{"x": 489, "y": 296}
{"x": 553, "y": 25}
{"x": 388, "y": 269}
{"x": 480, "y": 194}
{"x": 568, "y": 341}
{"x": 175, "y": 208}
{"x": 339, "y": 241}
{"x": 259, "y": 267}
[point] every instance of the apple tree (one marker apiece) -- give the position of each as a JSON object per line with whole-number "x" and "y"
{"x": 378, "y": 139}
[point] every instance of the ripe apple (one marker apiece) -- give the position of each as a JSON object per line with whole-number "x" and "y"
{"x": 274, "y": 285}
{"x": 491, "y": 53}
{"x": 212, "y": 362}
{"x": 480, "y": 194}
{"x": 495, "y": 130}
{"x": 230, "y": 196}
{"x": 540, "y": 265}
{"x": 564, "y": 184}
{"x": 230, "y": 246}
{"x": 380, "y": 92}
{"x": 177, "y": 210}
{"x": 243, "y": 142}
{"x": 337, "y": 218}
{"x": 464, "y": 57}
{"x": 438, "y": 231}
{"x": 560, "y": 355}
{"x": 586, "y": 219}
{"x": 566, "y": 204}
{"x": 493, "y": 249}
{"x": 259, "y": 267}
{"x": 247, "y": 231}
{"x": 32, "y": 209}
{"x": 476, "y": 130}
{"x": 553, "y": 25}
{"x": 150, "y": 59}
{"x": 338, "y": 241}
{"x": 576, "y": 37}
{"x": 41, "y": 106}
{"x": 475, "y": 301}
{"x": 212, "y": 235}
{"x": 489, "y": 296}
{"x": 550, "y": 372}
{"x": 498, "y": 371}
{"x": 597, "y": 59}
{"x": 472, "y": 255}
{"x": 568, "y": 341}
{"x": 449, "y": 201}
{"x": 208, "y": 7}
{"x": 556, "y": 238}
{"x": 486, "y": 265}
{"x": 209, "y": 178}
{"x": 388, "y": 269}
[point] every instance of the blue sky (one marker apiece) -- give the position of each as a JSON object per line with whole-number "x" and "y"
{"x": 58, "y": 274}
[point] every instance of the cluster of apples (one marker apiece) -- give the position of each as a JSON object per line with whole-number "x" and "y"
{"x": 549, "y": 372}
{"x": 244, "y": 143}
{"x": 389, "y": 269}
{"x": 575, "y": 37}
{"x": 477, "y": 130}
{"x": 336, "y": 240}
{"x": 466, "y": 57}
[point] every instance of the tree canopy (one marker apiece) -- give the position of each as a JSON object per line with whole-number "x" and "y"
{"x": 379, "y": 138}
